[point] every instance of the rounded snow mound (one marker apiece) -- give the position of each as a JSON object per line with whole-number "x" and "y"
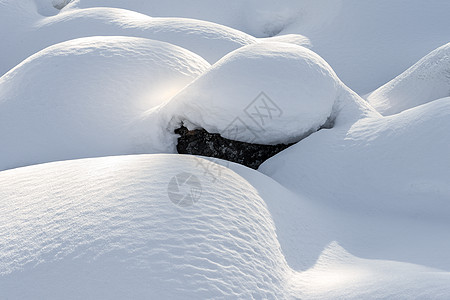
{"x": 265, "y": 93}
{"x": 111, "y": 228}
{"x": 209, "y": 40}
{"x": 427, "y": 80}
{"x": 406, "y": 154}
{"x": 86, "y": 97}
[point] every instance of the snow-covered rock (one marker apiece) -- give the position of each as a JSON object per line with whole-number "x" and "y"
{"x": 425, "y": 81}
{"x": 87, "y": 97}
{"x": 266, "y": 93}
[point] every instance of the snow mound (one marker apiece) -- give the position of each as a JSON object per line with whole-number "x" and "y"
{"x": 87, "y": 97}
{"x": 209, "y": 40}
{"x": 111, "y": 228}
{"x": 30, "y": 32}
{"x": 265, "y": 93}
{"x": 107, "y": 228}
{"x": 427, "y": 80}
{"x": 260, "y": 18}
{"x": 366, "y": 42}
{"x": 396, "y": 165}
{"x": 370, "y": 42}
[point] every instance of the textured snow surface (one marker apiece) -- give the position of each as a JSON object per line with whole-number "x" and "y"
{"x": 366, "y": 42}
{"x": 29, "y": 32}
{"x": 106, "y": 227}
{"x": 88, "y": 97}
{"x": 356, "y": 210}
{"x": 425, "y": 81}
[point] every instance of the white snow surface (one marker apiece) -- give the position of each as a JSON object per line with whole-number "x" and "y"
{"x": 106, "y": 228}
{"x": 264, "y": 93}
{"x": 88, "y": 97}
{"x": 355, "y": 211}
{"x": 366, "y": 42}
{"x": 425, "y": 81}
{"x": 30, "y": 32}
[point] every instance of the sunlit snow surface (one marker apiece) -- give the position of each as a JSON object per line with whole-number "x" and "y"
{"x": 358, "y": 210}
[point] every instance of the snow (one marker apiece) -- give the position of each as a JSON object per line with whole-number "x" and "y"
{"x": 95, "y": 204}
{"x": 32, "y": 32}
{"x": 265, "y": 93}
{"x": 425, "y": 81}
{"x": 88, "y": 97}
{"x": 396, "y": 164}
{"x": 366, "y": 43}
{"x": 108, "y": 225}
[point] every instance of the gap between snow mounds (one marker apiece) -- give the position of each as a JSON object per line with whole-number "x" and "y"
{"x": 425, "y": 81}
{"x": 201, "y": 142}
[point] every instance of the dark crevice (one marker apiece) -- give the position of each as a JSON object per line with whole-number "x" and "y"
{"x": 201, "y": 142}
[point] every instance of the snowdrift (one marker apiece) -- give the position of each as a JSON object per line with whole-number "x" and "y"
{"x": 111, "y": 228}
{"x": 427, "y": 80}
{"x": 265, "y": 93}
{"x": 87, "y": 97}
{"x": 397, "y": 164}
{"x": 32, "y": 32}
{"x": 366, "y": 43}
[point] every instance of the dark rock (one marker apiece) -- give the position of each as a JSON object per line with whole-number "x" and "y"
{"x": 201, "y": 142}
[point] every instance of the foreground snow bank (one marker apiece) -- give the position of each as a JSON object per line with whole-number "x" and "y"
{"x": 265, "y": 93}
{"x": 106, "y": 228}
{"x": 110, "y": 228}
{"x": 427, "y": 80}
{"x": 87, "y": 97}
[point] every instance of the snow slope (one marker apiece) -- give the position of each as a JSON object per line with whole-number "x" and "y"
{"x": 108, "y": 225}
{"x": 392, "y": 165}
{"x": 87, "y": 97}
{"x": 425, "y": 81}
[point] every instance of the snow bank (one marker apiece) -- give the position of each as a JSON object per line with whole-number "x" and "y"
{"x": 366, "y": 42}
{"x": 265, "y": 93}
{"x": 260, "y": 18}
{"x": 87, "y": 97}
{"x": 110, "y": 228}
{"x": 427, "y": 80}
{"x": 396, "y": 165}
{"x": 209, "y": 40}
{"x": 106, "y": 228}
{"x": 31, "y": 32}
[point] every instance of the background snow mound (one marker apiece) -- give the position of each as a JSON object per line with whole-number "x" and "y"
{"x": 366, "y": 42}
{"x": 397, "y": 164}
{"x": 427, "y": 80}
{"x": 106, "y": 228}
{"x": 87, "y": 97}
{"x": 265, "y": 93}
{"x": 260, "y": 18}
{"x": 31, "y": 32}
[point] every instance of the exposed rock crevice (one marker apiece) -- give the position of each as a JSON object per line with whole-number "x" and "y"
{"x": 201, "y": 142}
